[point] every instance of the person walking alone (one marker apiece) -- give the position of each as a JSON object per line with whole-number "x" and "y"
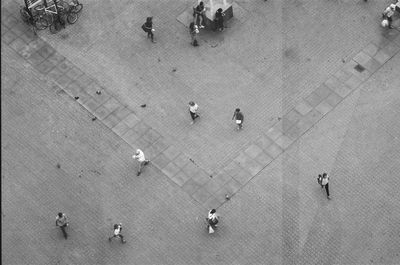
{"x": 193, "y": 108}
{"x": 238, "y": 117}
{"x": 142, "y": 161}
{"x": 62, "y": 222}
{"x": 194, "y": 30}
{"x": 117, "y": 233}
{"x": 325, "y": 183}
{"x": 148, "y": 28}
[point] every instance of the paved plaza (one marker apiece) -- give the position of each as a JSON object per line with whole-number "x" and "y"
{"x": 318, "y": 83}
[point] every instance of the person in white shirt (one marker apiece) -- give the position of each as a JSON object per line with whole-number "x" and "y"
{"x": 212, "y": 218}
{"x": 193, "y": 108}
{"x": 325, "y": 183}
{"x": 117, "y": 233}
{"x": 139, "y": 156}
{"x": 62, "y": 222}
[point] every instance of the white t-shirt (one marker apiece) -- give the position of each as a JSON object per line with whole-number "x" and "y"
{"x": 117, "y": 231}
{"x": 194, "y": 108}
{"x": 325, "y": 180}
{"x": 139, "y": 157}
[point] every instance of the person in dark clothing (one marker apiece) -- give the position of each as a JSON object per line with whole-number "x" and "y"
{"x": 198, "y": 13}
{"x": 325, "y": 183}
{"x": 239, "y": 117}
{"x": 117, "y": 233}
{"x": 194, "y": 30}
{"x": 62, "y": 222}
{"x": 219, "y": 19}
{"x": 148, "y": 27}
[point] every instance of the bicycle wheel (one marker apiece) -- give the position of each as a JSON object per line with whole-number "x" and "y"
{"x": 24, "y": 14}
{"x": 72, "y": 17}
{"x": 41, "y": 23}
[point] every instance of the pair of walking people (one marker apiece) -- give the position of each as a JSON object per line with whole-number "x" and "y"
{"x": 237, "y": 115}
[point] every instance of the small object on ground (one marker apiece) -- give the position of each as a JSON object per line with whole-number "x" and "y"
{"x": 174, "y": 69}
{"x": 76, "y": 98}
{"x": 58, "y": 165}
{"x": 227, "y": 197}
{"x": 98, "y": 92}
{"x": 143, "y": 105}
{"x": 93, "y": 119}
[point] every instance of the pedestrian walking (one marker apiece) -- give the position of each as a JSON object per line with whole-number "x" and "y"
{"x": 142, "y": 161}
{"x": 199, "y": 13}
{"x": 219, "y": 19}
{"x": 194, "y": 30}
{"x": 117, "y": 233}
{"x": 193, "y": 108}
{"x": 148, "y": 28}
{"x": 238, "y": 117}
{"x": 325, "y": 183}
{"x": 62, "y": 222}
{"x": 212, "y": 220}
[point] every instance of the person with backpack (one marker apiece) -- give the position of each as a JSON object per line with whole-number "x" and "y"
{"x": 62, "y": 222}
{"x": 219, "y": 20}
{"x": 148, "y": 28}
{"x": 117, "y": 233}
{"x": 194, "y": 30}
{"x": 212, "y": 220}
{"x": 193, "y": 108}
{"x": 238, "y": 117}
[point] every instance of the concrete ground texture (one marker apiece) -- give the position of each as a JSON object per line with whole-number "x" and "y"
{"x": 318, "y": 83}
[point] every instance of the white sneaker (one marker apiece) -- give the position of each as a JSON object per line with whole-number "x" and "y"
{"x": 202, "y": 27}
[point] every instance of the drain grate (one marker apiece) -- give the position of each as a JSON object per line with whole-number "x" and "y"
{"x": 359, "y": 68}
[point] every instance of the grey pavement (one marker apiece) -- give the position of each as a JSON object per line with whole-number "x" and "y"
{"x": 318, "y": 85}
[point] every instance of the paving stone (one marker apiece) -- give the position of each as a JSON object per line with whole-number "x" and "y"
{"x": 131, "y": 137}
{"x": 111, "y": 120}
{"x": 131, "y": 120}
{"x": 190, "y": 169}
{"x": 141, "y": 143}
{"x": 112, "y": 104}
{"x": 141, "y": 127}
{"x": 55, "y": 58}
{"x": 263, "y": 141}
{"x": 84, "y": 81}
{"x": 73, "y": 89}
{"x": 292, "y": 116}
{"x": 353, "y": 82}
{"x": 284, "y": 141}
{"x": 55, "y": 73}
{"x": 91, "y": 105}
{"x": 372, "y": 65}
{"x": 304, "y": 125}
{"x": 64, "y": 66}
{"x": 338, "y": 87}
{"x": 342, "y": 76}
{"x": 20, "y": 28}
{"x": 231, "y": 187}
{"x": 253, "y": 151}
{"x": 9, "y": 21}
{"x": 45, "y": 67}
{"x": 294, "y": 133}
{"x": 252, "y": 166}
{"x": 397, "y": 40}
{"x": 243, "y": 176}
{"x": 221, "y": 177}
{"x": 333, "y": 99}
{"x": 232, "y": 169}
{"x": 213, "y": 202}
{"x": 101, "y": 98}
{"x": 263, "y": 159}
{"x": 120, "y": 129}
{"x": 63, "y": 81}
{"x": 35, "y": 59}
{"x": 371, "y": 49}
{"x": 391, "y": 49}
{"x": 274, "y": 150}
{"x": 122, "y": 112}
{"x": 382, "y": 42}
{"x": 350, "y": 68}
{"x": 151, "y": 135}
{"x": 201, "y": 195}
{"x": 46, "y": 51}
{"x": 28, "y": 36}
{"x": 161, "y": 161}
{"x": 8, "y": 37}
{"x": 312, "y": 117}
{"x": 241, "y": 158}
{"x": 212, "y": 186}
{"x": 273, "y": 133}
{"x": 323, "y": 91}
{"x": 161, "y": 144}
{"x": 84, "y": 97}
{"x": 27, "y": 52}
{"x": 172, "y": 152}
{"x": 74, "y": 73}
{"x": 181, "y": 160}
{"x": 170, "y": 170}
{"x": 303, "y": 108}
{"x": 324, "y": 107}
{"x": 17, "y": 44}
{"x": 362, "y": 58}
{"x": 180, "y": 178}
{"x": 101, "y": 112}
{"x": 190, "y": 187}
{"x": 201, "y": 177}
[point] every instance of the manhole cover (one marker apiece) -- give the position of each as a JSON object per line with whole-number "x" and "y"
{"x": 359, "y": 68}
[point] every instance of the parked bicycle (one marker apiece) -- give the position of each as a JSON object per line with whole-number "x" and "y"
{"x": 36, "y": 22}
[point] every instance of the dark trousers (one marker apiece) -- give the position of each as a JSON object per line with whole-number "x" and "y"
{"x": 193, "y": 115}
{"x": 63, "y": 231}
{"x": 327, "y": 189}
{"x": 120, "y": 236}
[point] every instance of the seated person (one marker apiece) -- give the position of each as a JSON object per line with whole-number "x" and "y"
{"x": 199, "y": 12}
